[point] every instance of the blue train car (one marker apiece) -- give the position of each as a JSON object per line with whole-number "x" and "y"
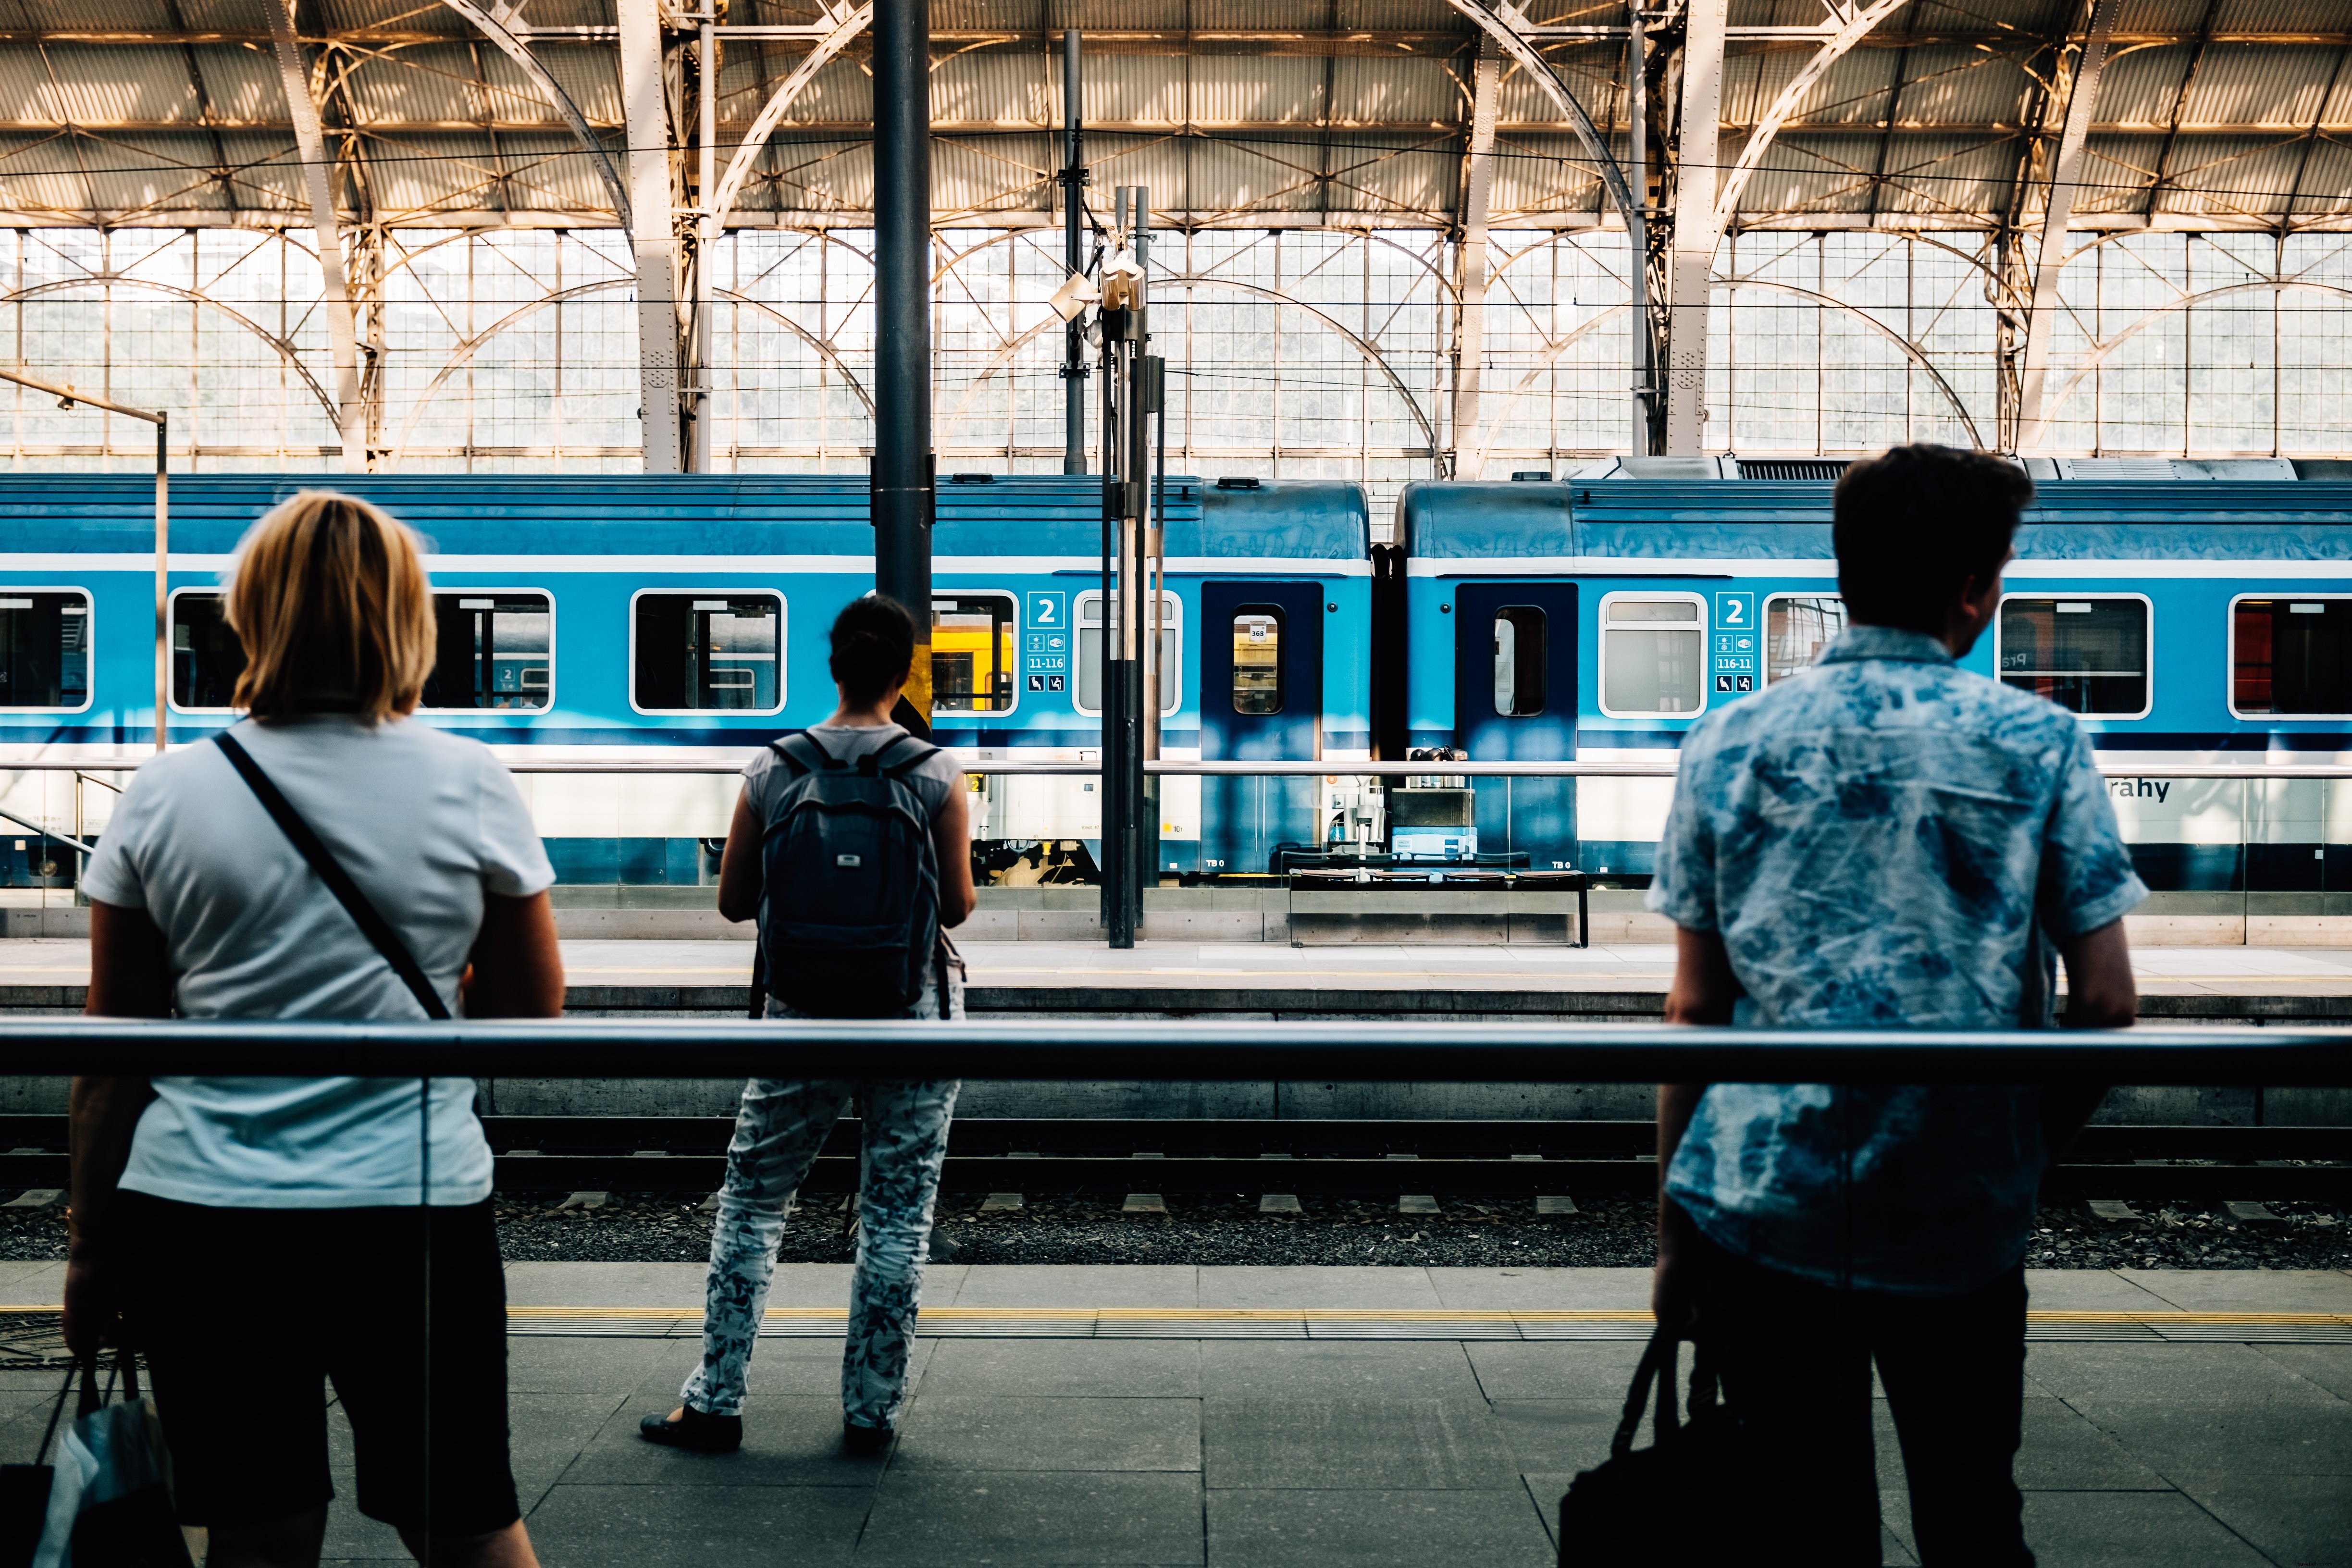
{"x": 588, "y": 618}
{"x": 1599, "y": 619}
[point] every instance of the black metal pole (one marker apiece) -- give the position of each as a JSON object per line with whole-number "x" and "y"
{"x": 1113, "y": 688}
{"x": 1073, "y": 243}
{"x": 902, "y": 472}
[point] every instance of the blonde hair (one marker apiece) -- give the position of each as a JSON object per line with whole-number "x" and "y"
{"x": 330, "y": 601}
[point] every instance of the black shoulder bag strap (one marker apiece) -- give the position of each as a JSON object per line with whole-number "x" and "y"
{"x": 372, "y": 925}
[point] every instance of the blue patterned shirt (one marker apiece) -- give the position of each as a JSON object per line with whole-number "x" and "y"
{"x": 1883, "y": 841}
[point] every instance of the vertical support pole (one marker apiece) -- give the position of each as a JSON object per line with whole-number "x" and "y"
{"x": 1697, "y": 161}
{"x": 1127, "y": 483}
{"x": 162, "y": 578}
{"x": 1470, "y": 274}
{"x": 1637, "y": 232}
{"x": 2065, "y": 173}
{"x": 645, "y": 106}
{"x": 902, "y": 475}
{"x": 1143, "y": 739}
{"x": 1073, "y": 252}
{"x": 318, "y": 178}
{"x": 705, "y": 233}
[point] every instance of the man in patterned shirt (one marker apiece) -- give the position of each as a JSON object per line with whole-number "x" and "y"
{"x": 1882, "y": 842}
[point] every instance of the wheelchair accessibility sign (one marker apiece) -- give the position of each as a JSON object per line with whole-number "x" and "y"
{"x": 1736, "y": 644}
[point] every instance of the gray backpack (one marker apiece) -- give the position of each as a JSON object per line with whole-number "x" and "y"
{"x": 849, "y": 901}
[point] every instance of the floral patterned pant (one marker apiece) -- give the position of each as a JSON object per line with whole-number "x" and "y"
{"x": 782, "y": 1125}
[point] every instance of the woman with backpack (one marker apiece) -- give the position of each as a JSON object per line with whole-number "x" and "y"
{"x": 851, "y": 845}
{"x": 327, "y": 858}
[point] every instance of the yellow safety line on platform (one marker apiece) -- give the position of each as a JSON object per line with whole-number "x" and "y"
{"x": 2156, "y": 1319}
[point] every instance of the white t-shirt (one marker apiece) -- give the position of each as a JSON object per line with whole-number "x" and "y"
{"x": 937, "y": 778}
{"x": 426, "y": 824}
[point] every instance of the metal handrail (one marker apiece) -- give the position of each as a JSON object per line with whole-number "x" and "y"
{"x": 47, "y": 832}
{"x": 1171, "y": 1051}
{"x": 1326, "y": 767}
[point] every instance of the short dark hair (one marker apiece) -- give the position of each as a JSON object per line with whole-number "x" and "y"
{"x": 1915, "y": 524}
{"x": 873, "y": 647}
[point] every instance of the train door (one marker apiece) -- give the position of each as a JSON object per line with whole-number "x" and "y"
{"x": 1514, "y": 701}
{"x": 1261, "y": 663}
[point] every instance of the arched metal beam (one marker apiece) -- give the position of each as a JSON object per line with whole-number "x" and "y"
{"x": 1855, "y": 25}
{"x": 1188, "y": 282}
{"x": 846, "y": 26}
{"x": 2100, "y": 352}
{"x": 121, "y": 280}
{"x": 1550, "y": 357}
{"x": 2065, "y": 173}
{"x": 1498, "y": 23}
{"x": 494, "y": 28}
{"x": 463, "y": 355}
{"x": 825, "y": 351}
{"x": 318, "y": 178}
{"x": 1911, "y": 350}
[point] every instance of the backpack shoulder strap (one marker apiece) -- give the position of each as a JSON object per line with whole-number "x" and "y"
{"x": 803, "y": 752}
{"x": 911, "y": 754}
{"x": 370, "y": 922}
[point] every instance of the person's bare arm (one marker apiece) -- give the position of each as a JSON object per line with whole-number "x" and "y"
{"x": 951, "y": 838}
{"x": 516, "y": 969}
{"x": 1703, "y": 992}
{"x": 2101, "y": 993}
{"x": 738, "y": 864}
{"x": 130, "y": 977}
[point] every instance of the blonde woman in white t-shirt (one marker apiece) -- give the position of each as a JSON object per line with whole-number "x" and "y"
{"x": 198, "y": 1200}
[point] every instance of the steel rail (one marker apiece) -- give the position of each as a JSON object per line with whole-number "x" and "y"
{"x": 1065, "y": 1049}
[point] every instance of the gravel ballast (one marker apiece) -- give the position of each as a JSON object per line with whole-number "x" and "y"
{"x": 1207, "y": 1228}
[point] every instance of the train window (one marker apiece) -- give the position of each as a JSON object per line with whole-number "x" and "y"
{"x": 1090, "y": 654}
{"x": 2086, "y": 654}
{"x": 1257, "y": 660}
{"x": 973, "y": 660}
{"x": 44, "y": 649}
{"x": 206, "y": 657}
{"x": 1652, "y": 651}
{"x": 495, "y": 649}
{"x": 2291, "y": 656}
{"x": 1797, "y": 627}
{"x": 1519, "y": 657}
{"x": 713, "y": 651}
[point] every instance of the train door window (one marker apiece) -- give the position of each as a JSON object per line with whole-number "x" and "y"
{"x": 1088, "y": 672}
{"x": 2086, "y": 652}
{"x": 206, "y": 657}
{"x": 1257, "y": 659}
{"x": 44, "y": 649}
{"x": 1797, "y": 629}
{"x": 973, "y": 660}
{"x": 1653, "y": 654}
{"x": 1520, "y": 651}
{"x": 495, "y": 650}
{"x": 709, "y": 652}
{"x": 2290, "y": 655}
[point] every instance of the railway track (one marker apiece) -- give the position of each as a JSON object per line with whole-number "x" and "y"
{"x": 1504, "y": 1159}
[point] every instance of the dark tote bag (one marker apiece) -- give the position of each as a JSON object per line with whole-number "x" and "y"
{"x": 24, "y": 1492}
{"x": 1680, "y": 1501}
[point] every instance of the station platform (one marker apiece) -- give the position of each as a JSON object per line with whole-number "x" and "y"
{"x": 1155, "y": 976}
{"x": 1234, "y": 1431}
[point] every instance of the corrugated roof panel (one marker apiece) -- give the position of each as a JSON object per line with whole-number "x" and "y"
{"x": 2269, "y": 86}
{"x": 2137, "y": 91}
{"x": 2229, "y": 177}
{"x": 159, "y": 169}
{"x": 39, "y": 174}
{"x": 24, "y": 95}
{"x": 590, "y": 77}
{"x": 1956, "y": 84}
{"x": 435, "y": 83}
{"x": 549, "y": 171}
{"x": 99, "y": 15}
{"x": 2327, "y": 187}
{"x": 1410, "y": 92}
{"x": 108, "y": 84}
{"x": 1001, "y": 86}
{"x": 1545, "y": 174}
{"x": 240, "y": 84}
{"x": 1938, "y": 175}
{"x": 1286, "y": 89}
{"x": 821, "y": 174}
{"x": 840, "y": 93}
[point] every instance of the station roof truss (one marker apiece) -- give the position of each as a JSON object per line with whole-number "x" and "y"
{"x": 1835, "y": 114}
